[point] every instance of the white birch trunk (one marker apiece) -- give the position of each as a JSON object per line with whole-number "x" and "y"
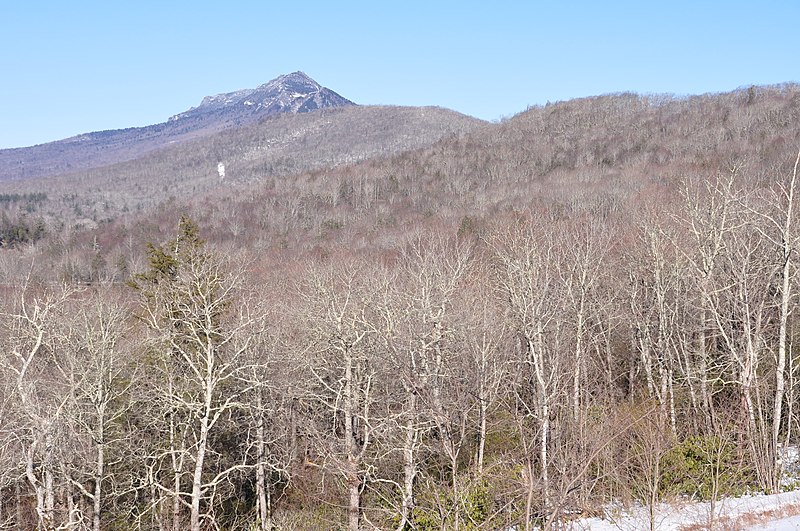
{"x": 261, "y": 473}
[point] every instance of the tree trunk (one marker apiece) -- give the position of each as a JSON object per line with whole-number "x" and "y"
{"x": 261, "y": 483}
{"x": 780, "y": 367}
{"x": 537, "y": 352}
{"x": 98, "y": 484}
{"x": 354, "y": 505}
{"x": 197, "y": 479}
{"x": 784, "y": 318}
{"x": 41, "y": 514}
{"x": 18, "y": 493}
{"x": 481, "y": 430}
{"x": 543, "y": 455}
{"x": 708, "y": 406}
{"x": 350, "y": 421}
{"x": 529, "y": 498}
{"x": 409, "y": 464}
{"x": 50, "y": 495}
{"x": 576, "y": 375}
{"x": 176, "y": 470}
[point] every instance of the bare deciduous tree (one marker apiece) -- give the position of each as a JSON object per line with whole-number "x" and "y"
{"x": 99, "y": 375}
{"x": 343, "y": 378}
{"x": 527, "y": 281}
{"x": 39, "y": 397}
{"x": 201, "y": 329}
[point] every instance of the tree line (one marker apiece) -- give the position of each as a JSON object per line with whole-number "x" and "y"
{"x": 517, "y": 374}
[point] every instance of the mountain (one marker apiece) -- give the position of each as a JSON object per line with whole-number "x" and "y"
{"x": 278, "y": 147}
{"x": 295, "y": 93}
{"x": 291, "y": 93}
{"x": 376, "y": 170}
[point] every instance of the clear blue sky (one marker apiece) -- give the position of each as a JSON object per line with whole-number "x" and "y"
{"x": 80, "y": 66}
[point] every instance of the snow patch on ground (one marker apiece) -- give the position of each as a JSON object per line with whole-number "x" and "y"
{"x": 784, "y": 524}
{"x": 790, "y": 459}
{"x": 757, "y": 512}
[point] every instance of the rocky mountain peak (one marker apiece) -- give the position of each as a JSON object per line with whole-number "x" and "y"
{"x": 297, "y": 81}
{"x": 295, "y": 92}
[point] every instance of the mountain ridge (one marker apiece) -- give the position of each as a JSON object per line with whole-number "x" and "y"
{"x": 282, "y": 145}
{"x": 289, "y": 93}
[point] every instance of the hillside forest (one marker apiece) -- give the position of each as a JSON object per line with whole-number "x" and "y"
{"x": 509, "y": 327}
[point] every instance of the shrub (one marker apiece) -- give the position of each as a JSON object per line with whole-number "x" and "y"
{"x": 705, "y": 467}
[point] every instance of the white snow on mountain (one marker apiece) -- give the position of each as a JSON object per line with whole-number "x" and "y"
{"x": 295, "y": 92}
